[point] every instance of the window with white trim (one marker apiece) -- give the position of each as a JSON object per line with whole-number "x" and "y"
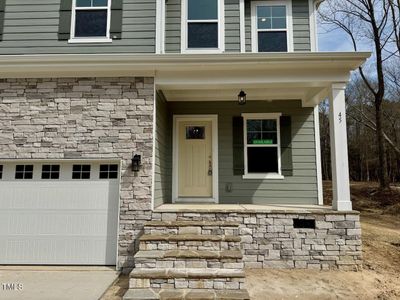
{"x": 202, "y": 28}
{"x": 91, "y": 20}
{"x": 262, "y": 146}
{"x": 108, "y": 171}
{"x": 50, "y": 171}
{"x": 271, "y": 26}
{"x": 81, "y": 172}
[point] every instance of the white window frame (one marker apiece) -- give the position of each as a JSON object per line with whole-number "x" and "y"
{"x": 105, "y": 39}
{"x": 184, "y": 29}
{"x": 262, "y": 116}
{"x": 254, "y": 24}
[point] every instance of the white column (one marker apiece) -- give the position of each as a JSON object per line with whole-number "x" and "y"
{"x": 242, "y": 26}
{"x": 338, "y": 136}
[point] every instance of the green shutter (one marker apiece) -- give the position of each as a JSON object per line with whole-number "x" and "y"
{"x": 116, "y": 20}
{"x": 2, "y": 10}
{"x": 237, "y": 146}
{"x": 64, "y": 26}
{"x": 286, "y": 146}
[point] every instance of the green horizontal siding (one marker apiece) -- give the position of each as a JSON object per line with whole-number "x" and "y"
{"x": 301, "y": 188}
{"x": 32, "y": 28}
{"x": 163, "y": 154}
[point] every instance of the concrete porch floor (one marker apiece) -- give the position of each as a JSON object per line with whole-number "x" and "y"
{"x": 248, "y": 208}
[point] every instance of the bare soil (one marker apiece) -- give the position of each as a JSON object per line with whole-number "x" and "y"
{"x": 379, "y": 279}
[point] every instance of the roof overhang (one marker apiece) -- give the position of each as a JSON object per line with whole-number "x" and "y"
{"x": 267, "y": 76}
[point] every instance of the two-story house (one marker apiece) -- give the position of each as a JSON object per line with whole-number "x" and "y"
{"x": 185, "y": 129}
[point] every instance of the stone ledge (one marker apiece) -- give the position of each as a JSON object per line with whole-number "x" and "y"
{"x": 195, "y": 254}
{"x": 186, "y": 294}
{"x": 189, "y": 237}
{"x": 191, "y": 223}
{"x": 192, "y": 273}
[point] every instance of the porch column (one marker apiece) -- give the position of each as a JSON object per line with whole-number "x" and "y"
{"x": 339, "y": 157}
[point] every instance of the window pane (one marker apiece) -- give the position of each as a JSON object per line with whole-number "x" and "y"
{"x": 86, "y": 168}
{"x": 85, "y": 175}
{"x": 269, "y": 138}
{"x": 1, "y": 171}
{"x": 262, "y": 160}
{"x": 279, "y": 11}
{"x": 19, "y": 168}
{"x": 100, "y": 2}
{"x": 264, "y": 11}
{"x": 254, "y": 125}
{"x": 103, "y": 168}
{"x": 252, "y": 137}
{"x": 203, "y": 9}
{"x": 278, "y": 23}
{"x": 269, "y": 125}
{"x": 29, "y": 168}
{"x": 45, "y": 175}
{"x": 91, "y": 23}
{"x": 83, "y": 3}
{"x": 114, "y": 168}
{"x": 195, "y": 133}
{"x": 103, "y": 175}
{"x": 264, "y": 23}
{"x": 272, "y": 41}
{"x": 203, "y": 35}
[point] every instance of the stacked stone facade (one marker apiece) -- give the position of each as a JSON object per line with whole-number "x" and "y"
{"x": 86, "y": 118}
{"x": 269, "y": 239}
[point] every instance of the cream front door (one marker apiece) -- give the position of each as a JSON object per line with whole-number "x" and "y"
{"x": 195, "y": 173}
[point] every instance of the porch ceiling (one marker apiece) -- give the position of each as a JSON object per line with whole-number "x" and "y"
{"x": 296, "y": 75}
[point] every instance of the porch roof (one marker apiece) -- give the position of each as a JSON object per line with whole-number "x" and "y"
{"x": 267, "y": 76}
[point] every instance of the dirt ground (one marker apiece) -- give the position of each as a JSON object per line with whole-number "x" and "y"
{"x": 379, "y": 279}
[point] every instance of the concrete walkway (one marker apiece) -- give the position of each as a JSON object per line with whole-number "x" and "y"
{"x": 55, "y": 283}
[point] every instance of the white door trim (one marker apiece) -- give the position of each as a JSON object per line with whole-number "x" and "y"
{"x": 175, "y": 154}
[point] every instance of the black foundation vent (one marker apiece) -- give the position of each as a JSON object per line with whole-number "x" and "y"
{"x": 303, "y": 223}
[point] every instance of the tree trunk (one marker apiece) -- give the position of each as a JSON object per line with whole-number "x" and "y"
{"x": 382, "y": 172}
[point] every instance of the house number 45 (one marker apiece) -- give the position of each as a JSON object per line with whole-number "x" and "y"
{"x": 340, "y": 117}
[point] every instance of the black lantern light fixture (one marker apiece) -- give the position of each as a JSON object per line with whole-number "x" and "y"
{"x": 136, "y": 163}
{"x": 242, "y": 97}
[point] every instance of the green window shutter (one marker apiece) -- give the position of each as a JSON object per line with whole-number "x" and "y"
{"x": 116, "y": 20}
{"x": 237, "y": 146}
{"x": 286, "y": 146}
{"x": 64, "y": 26}
{"x": 2, "y": 10}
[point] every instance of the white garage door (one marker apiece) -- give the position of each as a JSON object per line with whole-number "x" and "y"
{"x": 60, "y": 213}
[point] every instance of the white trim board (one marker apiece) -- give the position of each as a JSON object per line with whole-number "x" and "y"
{"x": 289, "y": 23}
{"x": 175, "y": 157}
{"x": 318, "y": 156}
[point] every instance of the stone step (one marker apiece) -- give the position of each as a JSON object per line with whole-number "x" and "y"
{"x": 189, "y": 242}
{"x": 195, "y": 273}
{"x": 186, "y": 294}
{"x": 191, "y": 227}
{"x": 189, "y": 237}
{"x": 193, "y": 278}
{"x": 189, "y": 254}
{"x": 191, "y": 223}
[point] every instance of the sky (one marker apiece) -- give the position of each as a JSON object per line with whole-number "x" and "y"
{"x": 333, "y": 41}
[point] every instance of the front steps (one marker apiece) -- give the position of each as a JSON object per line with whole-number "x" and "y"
{"x": 188, "y": 260}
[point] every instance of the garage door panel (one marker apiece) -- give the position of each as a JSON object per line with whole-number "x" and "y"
{"x": 58, "y": 250}
{"x": 58, "y": 195}
{"x": 59, "y": 222}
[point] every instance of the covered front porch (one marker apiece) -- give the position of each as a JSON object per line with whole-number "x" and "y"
{"x": 212, "y": 153}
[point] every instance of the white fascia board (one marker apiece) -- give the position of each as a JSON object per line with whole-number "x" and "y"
{"x": 101, "y": 65}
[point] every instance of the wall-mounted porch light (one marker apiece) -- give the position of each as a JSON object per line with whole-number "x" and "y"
{"x": 242, "y": 98}
{"x": 136, "y": 163}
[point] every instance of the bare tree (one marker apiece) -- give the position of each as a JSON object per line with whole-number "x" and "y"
{"x": 373, "y": 23}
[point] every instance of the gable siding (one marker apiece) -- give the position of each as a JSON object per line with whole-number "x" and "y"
{"x": 301, "y": 25}
{"x": 301, "y": 188}
{"x": 32, "y": 27}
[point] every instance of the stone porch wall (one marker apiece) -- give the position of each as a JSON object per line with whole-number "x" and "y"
{"x": 269, "y": 240}
{"x": 78, "y": 118}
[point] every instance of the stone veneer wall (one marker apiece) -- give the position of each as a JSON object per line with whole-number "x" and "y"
{"x": 78, "y": 118}
{"x": 269, "y": 240}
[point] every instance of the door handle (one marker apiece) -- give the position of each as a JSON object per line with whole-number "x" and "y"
{"x": 210, "y": 171}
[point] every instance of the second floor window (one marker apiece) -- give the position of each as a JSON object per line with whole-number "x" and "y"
{"x": 91, "y": 19}
{"x": 203, "y": 25}
{"x": 271, "y": 32}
